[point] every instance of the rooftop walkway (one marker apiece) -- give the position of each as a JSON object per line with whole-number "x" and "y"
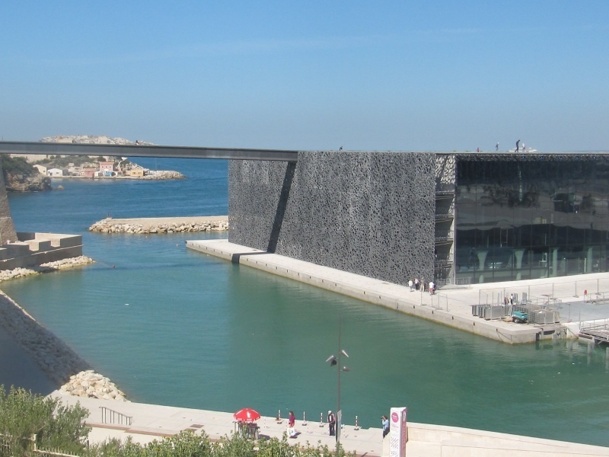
{"x": 578, "y": 299}
{"x": 154, "y": 422}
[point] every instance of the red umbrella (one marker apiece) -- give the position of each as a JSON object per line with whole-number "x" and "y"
{"x": 247, "y": 415}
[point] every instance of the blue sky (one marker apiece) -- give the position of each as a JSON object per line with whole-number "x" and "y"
{"x": 365, "y": 75}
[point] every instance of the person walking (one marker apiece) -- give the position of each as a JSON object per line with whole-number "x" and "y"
{"x": 292, "y": 425}
{"x": 410, "y": 285}
{"x": 385, "y": 425}
{"x": 331, "y": 423}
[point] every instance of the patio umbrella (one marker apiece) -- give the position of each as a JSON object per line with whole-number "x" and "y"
{"x": 247, "y": 415}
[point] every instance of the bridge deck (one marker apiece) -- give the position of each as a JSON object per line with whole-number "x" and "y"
{"x": 137, "y": 150}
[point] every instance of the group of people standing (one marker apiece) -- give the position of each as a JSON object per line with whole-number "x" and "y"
{"x": 332, "y": 424}
{"x": 331, "y": 418}
{"x": 292, "y": 433}
{"x": 420, "y": 285}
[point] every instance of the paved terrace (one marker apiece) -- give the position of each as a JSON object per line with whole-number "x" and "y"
{"x": 154, "y": 422}
{"x": 578, "y": 299}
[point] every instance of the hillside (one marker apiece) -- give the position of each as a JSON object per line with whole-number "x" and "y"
{"x": 33, "y": 172}
{"x": 21, "y": 176}
{"x": 90, "y": 139}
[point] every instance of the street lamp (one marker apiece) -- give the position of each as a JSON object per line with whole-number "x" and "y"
{"x": 336, "y": 360}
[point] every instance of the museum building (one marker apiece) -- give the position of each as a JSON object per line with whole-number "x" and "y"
{"x": 527, "y": 216}
{"x": 457, "y": 218}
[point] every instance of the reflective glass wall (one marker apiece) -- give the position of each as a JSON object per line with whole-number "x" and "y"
{"x": 534, "y": 217}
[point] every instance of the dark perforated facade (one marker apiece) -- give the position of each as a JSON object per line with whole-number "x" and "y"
{"x": 456, "y": 218}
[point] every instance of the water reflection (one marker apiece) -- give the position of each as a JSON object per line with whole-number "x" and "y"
{"x": 535, "y": 219}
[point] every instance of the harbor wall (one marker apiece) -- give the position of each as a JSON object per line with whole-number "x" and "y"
{"x": 368, "y": 213}
{"x": 34, "y": 249}
{"x": 457, "y": 315}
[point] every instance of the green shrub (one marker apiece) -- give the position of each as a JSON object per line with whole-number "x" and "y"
{"x": 57, "y": 427}
{"x": 189, "y": 444}
{"x": 24, "y": 414}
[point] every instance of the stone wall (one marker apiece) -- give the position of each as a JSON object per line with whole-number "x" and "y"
{"x": 33, "y": 249}
{"x": 53, "y": 356}
{"x": 369, "y": 213}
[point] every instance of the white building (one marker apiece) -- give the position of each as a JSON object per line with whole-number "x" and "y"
{"x": 55, "y": 173}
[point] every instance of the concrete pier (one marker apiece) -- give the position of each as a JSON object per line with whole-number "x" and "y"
{"x": 448, "y": 306}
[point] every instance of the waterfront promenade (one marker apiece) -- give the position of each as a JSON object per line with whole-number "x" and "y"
{"x": 154, "y": 422}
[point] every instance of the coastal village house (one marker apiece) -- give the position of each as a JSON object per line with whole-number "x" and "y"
{"x": 54, "y": 173}
{"x": 106, "y": 169}
{"x": 88, "y": 171}
{"x": 135, "y": 172}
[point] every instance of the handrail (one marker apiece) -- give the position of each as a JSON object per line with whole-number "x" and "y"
{"x": 109, "y": 416}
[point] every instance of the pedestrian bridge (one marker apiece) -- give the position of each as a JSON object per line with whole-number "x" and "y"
{"x": 145, "y": 150}
{"x": 7, "y": 228}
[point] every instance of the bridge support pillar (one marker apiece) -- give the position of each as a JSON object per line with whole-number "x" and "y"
{"x": 7, "y": 228}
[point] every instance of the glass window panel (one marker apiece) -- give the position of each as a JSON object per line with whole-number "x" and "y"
{"x": 537, "y": 217}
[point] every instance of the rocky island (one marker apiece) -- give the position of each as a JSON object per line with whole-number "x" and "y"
{"x": 34, "y": 172}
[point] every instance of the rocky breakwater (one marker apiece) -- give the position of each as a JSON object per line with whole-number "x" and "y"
{"x": 51, "y": 354}
{"x": 49, "y": 267}
{"x": 161, "y": 225}
{"x": 162, "y": 174}
{"x": 92, "y": 385}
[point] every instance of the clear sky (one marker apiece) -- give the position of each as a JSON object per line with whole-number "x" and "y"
{"x": 435, "y": 75}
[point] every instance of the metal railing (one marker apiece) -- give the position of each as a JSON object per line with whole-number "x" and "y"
{"x": 109, "y": 416}
{"x": 595, "y": 325}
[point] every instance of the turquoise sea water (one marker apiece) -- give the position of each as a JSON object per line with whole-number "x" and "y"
{"x": 175, "y": 327}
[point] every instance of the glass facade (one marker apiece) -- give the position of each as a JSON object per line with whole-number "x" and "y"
{"x": 542, "y": 216}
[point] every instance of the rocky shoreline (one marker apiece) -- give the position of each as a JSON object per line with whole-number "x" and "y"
{"x": 49, "y": 267}
{"x": 92, "y": 385}
{"x": 163, "y": 225}
{"x": 53, "y": 356}
{"x": 57, "y": 360}
{"x": 158, "y": 175}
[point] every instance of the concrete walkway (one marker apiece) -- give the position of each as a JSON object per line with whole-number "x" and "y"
{"x": 154, "y": 422}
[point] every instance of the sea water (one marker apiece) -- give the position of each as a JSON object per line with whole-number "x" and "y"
{"x": 176, "y": 327}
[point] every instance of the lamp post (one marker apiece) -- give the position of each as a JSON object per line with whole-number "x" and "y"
{"x": 336, "y": 360}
